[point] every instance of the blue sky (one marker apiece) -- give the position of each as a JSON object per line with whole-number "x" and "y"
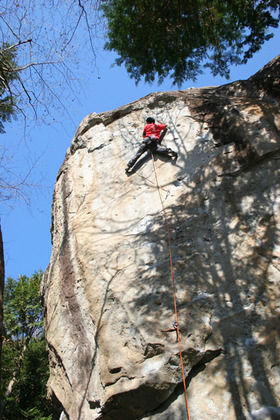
{"x": 26, "y": 228}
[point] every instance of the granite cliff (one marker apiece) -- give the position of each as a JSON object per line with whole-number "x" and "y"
{"x": 107, "y": 292}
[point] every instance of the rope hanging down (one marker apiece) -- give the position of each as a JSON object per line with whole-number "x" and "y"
{"x": 173, "y": 286}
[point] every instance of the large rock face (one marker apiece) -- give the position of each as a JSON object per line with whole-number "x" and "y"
{"x": 108, "y": 295}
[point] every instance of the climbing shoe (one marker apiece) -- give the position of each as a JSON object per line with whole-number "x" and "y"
{"x": 173, "y": 154}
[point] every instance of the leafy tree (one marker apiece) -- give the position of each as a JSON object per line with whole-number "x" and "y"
{"x": 28, "y": 396}
{"x": 24, "y": 356}
{"x": 7, "y": 75}
{"x": 181, "y": 37}
{"x": 23, "y": 308}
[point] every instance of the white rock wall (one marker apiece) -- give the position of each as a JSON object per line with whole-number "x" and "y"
{"x": 108, "y": 292}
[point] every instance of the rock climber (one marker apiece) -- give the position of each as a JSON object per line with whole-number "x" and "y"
{"x": 153, "y": 134}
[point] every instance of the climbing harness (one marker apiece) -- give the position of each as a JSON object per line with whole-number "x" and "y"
{"x": 176, "y": 323}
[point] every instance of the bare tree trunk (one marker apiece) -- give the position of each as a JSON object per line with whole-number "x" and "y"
{"x": 2, "y": 278}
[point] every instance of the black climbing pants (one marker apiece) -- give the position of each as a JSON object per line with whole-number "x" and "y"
{"x": 152, "y": 145}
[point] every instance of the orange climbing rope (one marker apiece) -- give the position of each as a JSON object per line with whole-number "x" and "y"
{"x": 173, "y": 285}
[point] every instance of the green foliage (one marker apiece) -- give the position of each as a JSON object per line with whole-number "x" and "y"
{"x": 28, "y": 398}
{"x": 24, "y": 355}
{"x": 22, "y": 308}
{"x": 7, "y": 75}
{"x": 181, "y": 37}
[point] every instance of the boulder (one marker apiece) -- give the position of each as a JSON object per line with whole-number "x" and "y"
{"x": 208, "y": 221}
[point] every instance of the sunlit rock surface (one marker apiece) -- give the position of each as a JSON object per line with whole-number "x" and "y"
{"x": 107, "y": 292}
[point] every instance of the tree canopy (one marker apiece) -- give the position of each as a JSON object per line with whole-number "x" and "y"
{"x": 182, "y": 37}
{"x": 24, "y": 361}
{"x": 7, "y": 75}
{"x": 23, "y": 316}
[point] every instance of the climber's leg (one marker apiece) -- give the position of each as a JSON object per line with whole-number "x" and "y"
{"x": 164, "y": 151}
{"x": 142, "y": 149}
